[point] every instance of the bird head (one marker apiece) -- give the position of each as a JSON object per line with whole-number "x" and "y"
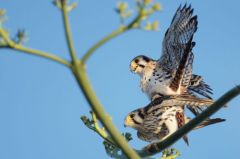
{"x": 139, "y": 63}
{"x": 134, "y": 119}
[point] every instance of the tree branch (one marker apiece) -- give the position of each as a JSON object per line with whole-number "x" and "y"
{"x": 93, "y": 125}
{"x": 68, "y": 31}
{"x": 12, "y": 45}
{"x": 82, "y": 79}
{"x": 112, "y": 35}
{"x": 84, "y": 84}
{"x": 101, "y": 42}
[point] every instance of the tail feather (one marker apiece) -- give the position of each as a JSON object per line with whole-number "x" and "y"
{"x": 185, "y": 139}
{"x": 206, "y": 122}
{"x": 203, "y": 124}
{"x": 210, "y": 122}
{"x": 193, "y": 101}
{"x": 195, "y": 110}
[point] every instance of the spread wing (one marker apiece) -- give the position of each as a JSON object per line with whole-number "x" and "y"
{"x": 187, "y": 75}
{"x": 178, "y": 35}
{"x": 182, "y": 77}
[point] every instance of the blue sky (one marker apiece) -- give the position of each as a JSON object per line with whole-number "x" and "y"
{"x": 41, "y": 104}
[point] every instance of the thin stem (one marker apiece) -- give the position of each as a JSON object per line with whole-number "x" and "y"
{"x": 157, "y": 147}
{"x": 107, "y": 38}
{"x": 12, "y": 45}
{"x": 101, "y": 42}
{"x": 82, "y": 79}
{"x": 68, "y": 32}
{"x": 42, "y": 54}
{"x": 99, "y": 130}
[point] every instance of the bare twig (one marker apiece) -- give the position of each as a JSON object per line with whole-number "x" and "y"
{"x": 12, "y": 45}
{"x": 135, "y": 23}
{"x": 72, "y": 52}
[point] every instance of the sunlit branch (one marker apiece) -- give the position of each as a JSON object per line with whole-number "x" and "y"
{"x": 12, "y": 45}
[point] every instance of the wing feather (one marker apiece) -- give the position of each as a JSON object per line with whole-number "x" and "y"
{"x": 181, "y": 70}
{"x": 181, "y": 30}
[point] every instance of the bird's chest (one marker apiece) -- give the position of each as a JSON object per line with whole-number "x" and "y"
{"x": 155, "y": 81}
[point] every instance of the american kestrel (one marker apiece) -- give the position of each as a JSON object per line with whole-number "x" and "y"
{"x": 163, "y": 116}
{"x": 172, "y": 73}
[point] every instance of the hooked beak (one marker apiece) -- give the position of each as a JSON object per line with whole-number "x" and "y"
{"x": 133, "y": 67}
{"x": 128, "y": 121}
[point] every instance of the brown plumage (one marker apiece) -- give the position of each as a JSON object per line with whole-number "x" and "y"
{"x": 164, "y": 116}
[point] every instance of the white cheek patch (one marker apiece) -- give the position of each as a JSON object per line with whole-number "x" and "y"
{"x": 138, "y": 119}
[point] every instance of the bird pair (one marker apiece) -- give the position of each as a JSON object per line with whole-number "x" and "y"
{"x": 170, "y": 84}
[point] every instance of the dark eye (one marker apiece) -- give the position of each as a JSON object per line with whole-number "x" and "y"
{"x": 141, "y": 115}
{"x": 136, "y": 61}
{"x": 141, "y": 65}
{"x": 132, "y": 115}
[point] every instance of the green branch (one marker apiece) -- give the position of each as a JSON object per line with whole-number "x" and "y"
{"x": 101, "y": 131}
{"x": 68, "y": 31}
{"x": 110, "y": 146}
{"x": 112, "y": 35}
{"x": 81, "y": 76}
{"x": 101, "y": 42}
{"x": 93, "y": 125}
{"x": 143, "y": 13}
{"x": 12, "y": 45}
{"x": 82, "y": 79}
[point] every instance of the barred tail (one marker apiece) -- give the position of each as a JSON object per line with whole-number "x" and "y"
{"x": 206, "y": 122}
{"x": 210, "y": 122}
{"x": 185, "y": 139}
